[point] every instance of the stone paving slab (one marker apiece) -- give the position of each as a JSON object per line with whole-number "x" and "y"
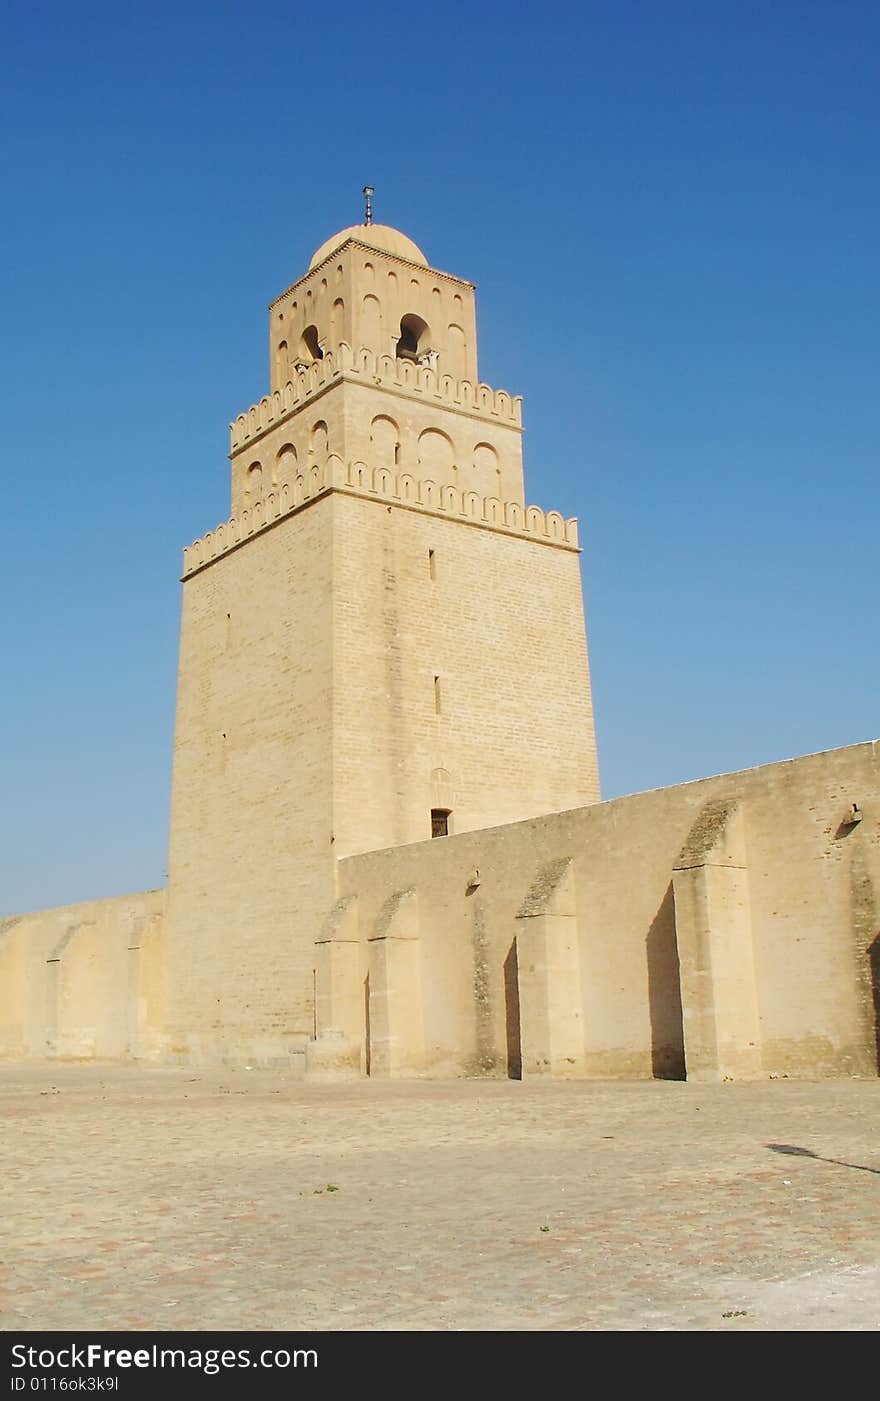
{"x": 138, "y": 1198}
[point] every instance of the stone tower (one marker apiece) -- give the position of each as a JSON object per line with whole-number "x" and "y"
{"x": 383, "y": 643}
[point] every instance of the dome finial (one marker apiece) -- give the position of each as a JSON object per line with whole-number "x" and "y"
{"x": 368, "y": 196}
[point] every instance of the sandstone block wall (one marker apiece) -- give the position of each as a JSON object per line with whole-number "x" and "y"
{"x": 85, "y": 981}
{"x": 251, "y": 852}
{"x": 347, "y": 669}
{"x": 461, "y": 677}
{"x": 728, "y": 928}
{"x": 724, "y": 929}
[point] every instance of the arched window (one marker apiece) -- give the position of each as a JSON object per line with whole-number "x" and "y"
{"x": 309, "y": 348}
{"x": 413, "y": 340}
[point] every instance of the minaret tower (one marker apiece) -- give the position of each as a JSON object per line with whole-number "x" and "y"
{"x": 383, "y": 642}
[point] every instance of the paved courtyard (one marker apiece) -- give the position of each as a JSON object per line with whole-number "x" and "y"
{"x": 188, "y": 1199}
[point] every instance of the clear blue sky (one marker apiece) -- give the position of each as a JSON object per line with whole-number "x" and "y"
{"x": 671, "y": 213}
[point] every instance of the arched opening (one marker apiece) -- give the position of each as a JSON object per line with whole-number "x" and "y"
{"x": 664, "y": 993}
{"x": 512, "y": 1015}
{"x": 309, "y": 348}
{"x": 367, "y": 1045}
{"x": 413, "y": 340}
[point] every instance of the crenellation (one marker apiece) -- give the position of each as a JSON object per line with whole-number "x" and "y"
{"x": 358, "y": 478}
{"x": 380, "y": 370}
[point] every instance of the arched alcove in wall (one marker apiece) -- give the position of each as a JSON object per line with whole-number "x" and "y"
{"x": 285, "y": 465}
{"x": 456, "y": 352}
{"x": 318, "y": 442}
{"x": 384, "y": 442}
{"x": 485, "y": 471}
{"x": 436, "y": 455}
{"x": 253, "y": 483}
{"x": 371, "y": 323}
{"x": 74, "y": 1008}
{"x": 337, "y": 322}
{"x": 441, "y": 788}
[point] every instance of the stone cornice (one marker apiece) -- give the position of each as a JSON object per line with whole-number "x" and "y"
{"x": 382, "y": 253}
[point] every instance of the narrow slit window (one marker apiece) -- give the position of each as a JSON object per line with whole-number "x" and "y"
{"x": 432, "y": 565}
{"x": 438, "y": 707}
{"x": 439, "y": 822}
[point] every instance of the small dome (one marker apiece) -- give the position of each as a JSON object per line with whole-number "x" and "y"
{"x": 377, "y": 236}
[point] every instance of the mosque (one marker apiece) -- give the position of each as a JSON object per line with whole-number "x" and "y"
{"x": 388, "y": 853}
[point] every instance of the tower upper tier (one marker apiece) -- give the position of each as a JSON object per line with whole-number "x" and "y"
{"x": 371, "y": 287}
{"x": 373, "y": 369}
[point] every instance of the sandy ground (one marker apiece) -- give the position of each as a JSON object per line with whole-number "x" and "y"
{"x": 186, "y": 1199}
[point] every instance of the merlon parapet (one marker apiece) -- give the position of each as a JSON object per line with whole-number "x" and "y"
{"x": 510, "y": 517}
